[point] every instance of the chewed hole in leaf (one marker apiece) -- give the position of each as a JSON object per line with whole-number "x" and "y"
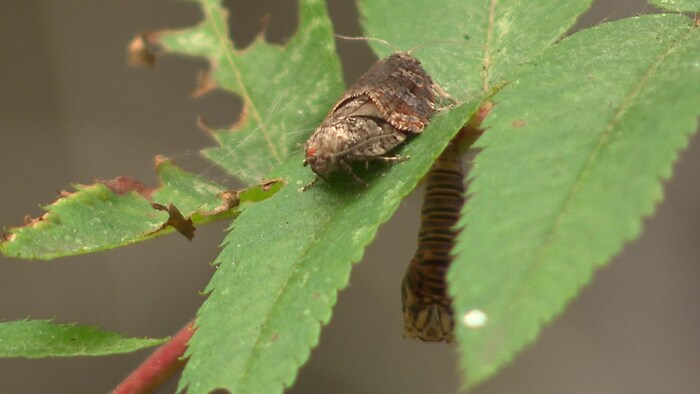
{"x": 205, "y": 168}
{"x": 356, "y": 56}
{"x": 275, "y": 20}
{"x": 219, "y": 110}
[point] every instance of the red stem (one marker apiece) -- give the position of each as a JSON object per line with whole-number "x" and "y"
{"x": 157, "y": 368}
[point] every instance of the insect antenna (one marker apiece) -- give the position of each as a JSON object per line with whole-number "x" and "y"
{"x": 387, "y": 43}
{"x": 432, "y": 42}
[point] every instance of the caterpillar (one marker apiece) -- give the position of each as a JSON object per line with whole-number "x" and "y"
{"x": 427, "y": 311}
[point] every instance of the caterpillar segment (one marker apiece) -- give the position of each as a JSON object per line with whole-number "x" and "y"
{"x": 427, "y": 310}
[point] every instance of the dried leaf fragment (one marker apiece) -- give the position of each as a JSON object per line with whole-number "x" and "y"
{"x": 177, "y": 220}
{"x": 138, "y": 54}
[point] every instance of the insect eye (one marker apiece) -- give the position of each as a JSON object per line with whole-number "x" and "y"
{"x": 311, "y": 152}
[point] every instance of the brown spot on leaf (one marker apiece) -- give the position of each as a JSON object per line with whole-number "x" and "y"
{"x": 138, "y": 53}
{"x": 31, "y": 221}
{"x": 124, "y": 184}
{"x": 229, "y": 199}
{"x": 267, "y": 184}
{"x": 232, "y": 198}
{"x": 274, "y": 336}
{"x": 182, "y": 225}
{"x": 519, "y": 123}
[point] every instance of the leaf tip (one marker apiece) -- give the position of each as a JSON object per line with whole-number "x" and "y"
{"x": 203, "y": 125}
{"x": 160, "y": 161}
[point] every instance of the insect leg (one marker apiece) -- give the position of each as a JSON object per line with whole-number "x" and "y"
{"x": 347, "y": 168}
{"x": 310, "y": 184}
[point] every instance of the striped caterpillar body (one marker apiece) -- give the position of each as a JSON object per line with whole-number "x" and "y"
{"x": 427, "y": 310}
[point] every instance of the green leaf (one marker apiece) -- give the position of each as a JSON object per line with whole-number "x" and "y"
{"x": 41, "y": 338}
{"x": 678, "y": 5}
{"x": 114, "y": 213}
{"x": 491, "y": 38}
{"x": 285, "y": 90}
{"x": 286, "y": 258}
{"x": 283, "y": 263}
{"x": 573, "y": 158}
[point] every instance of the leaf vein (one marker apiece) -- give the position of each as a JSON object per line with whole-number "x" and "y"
{"x": 225, "y": 42}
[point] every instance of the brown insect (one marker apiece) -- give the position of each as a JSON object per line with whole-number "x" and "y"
{"x": 393, "y": 100}
{"x": 427, "y": 311}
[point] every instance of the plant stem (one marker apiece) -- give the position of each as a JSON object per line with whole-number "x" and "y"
{"x": 157, "y": 368}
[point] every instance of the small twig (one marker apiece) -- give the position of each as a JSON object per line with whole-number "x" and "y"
{"x": 157, "y": 368}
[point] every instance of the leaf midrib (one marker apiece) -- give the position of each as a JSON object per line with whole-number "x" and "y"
{"x": 293, "y": 272}
{"x": 226, "y": 43}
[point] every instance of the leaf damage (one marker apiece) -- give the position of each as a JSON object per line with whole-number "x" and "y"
{"x": 205, "y": 84}
{"x": 44, "y": 338}
{"x": 183, "y": 225}
{"x": 123, "y": 210}
{"x": 273, "y": 122}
